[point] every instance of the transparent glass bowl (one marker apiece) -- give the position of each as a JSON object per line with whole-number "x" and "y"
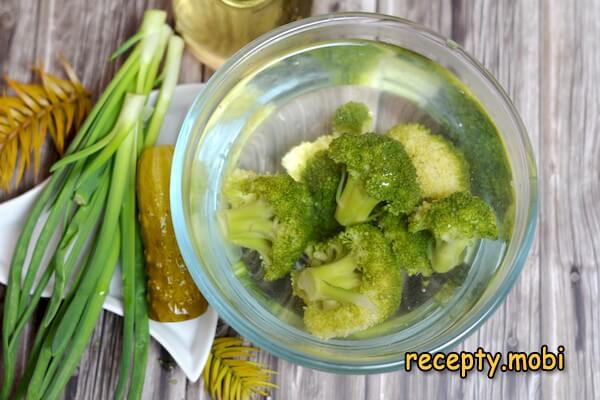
{"x": 217, "y": 134}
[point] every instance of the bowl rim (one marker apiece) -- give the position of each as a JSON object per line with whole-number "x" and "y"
{"x": 242, "y": 326}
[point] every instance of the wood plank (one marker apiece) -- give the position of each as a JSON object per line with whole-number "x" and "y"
{"x": 570, "y": 227}
{"x": 18, "y": 26}
{"x": 330, "y": 6}
{"x": 18, "y": 43}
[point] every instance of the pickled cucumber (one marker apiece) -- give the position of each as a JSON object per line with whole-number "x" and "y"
{"x": 172, "y": 294}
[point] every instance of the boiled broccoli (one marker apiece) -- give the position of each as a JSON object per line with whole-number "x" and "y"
{"x": 456, "y": 222}
{"x": 322, "y": 177}
{"x": 378, "y": 170}
{"x": 412, "y": 250}
{"x": 352, "y": 117}
{"x": 271, "y": 214}
{"x": 469, "y": 126}
{"x": 294, "y": 161}
{"x": 441, "y": 168}
{"x": 309, "y": 163}
{"x": 354, "y": 283}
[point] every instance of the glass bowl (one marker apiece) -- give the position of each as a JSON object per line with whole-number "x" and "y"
{"x": 270, "y": 96}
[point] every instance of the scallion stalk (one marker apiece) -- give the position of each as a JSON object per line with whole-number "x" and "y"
{"x": 121, "y": 181}
{"x": 128, "y": 223}
{"x": 131, "y": 110}
{"x": 171, "y": 75}
{"x": 80, "y": 192}
{"x": 142, "y": 324}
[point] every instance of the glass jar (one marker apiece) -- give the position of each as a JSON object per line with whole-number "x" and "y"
{"x": 215, "y": 29}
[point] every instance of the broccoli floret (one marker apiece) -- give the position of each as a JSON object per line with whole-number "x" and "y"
{"x": 320, "y": 253}
{"x": 412, "y": 250}
{"x": 358, "y": 286}
{"x": 296, "y": 158}
{"x": 441, "y": 168}
{"x": 309, "y": 163}
{"x": 322, "y": 177}
{"x": 352, "y": 117}
{"x": 233, "y": 187}
{"x": 378, "y": 170}
{"x": 271, "y": 214}
{"x": 456, "y": 222}
{"x": 468, "y": 125}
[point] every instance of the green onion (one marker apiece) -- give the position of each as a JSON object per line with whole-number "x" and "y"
{"x": 13, "y": 290}
{"x": 154, "y": 30}
{"x": 171, "y": 70}
{"x": 142, "y": 324}
{"x": 80, "y": 228}
{"x": 162, "y": 40}
{"x": 128, "y": 117}
{"x": 87, "y": 133}
{"x": 131, "y": 109}
{"x": 48, "y": 231}
{"x": 128, "y": 249}
{"x": 109, "y": 237}
{"x": 94, "y": 182}
{"x": 67, "y": 365}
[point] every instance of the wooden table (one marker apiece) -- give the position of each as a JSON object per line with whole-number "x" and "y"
{"x": 544, "y": 53}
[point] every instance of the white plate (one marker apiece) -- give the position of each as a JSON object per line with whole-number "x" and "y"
{"x": 188, "y": 342}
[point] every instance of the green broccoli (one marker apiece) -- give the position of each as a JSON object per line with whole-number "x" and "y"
{"x": 271, "y": 214}
{"x": 294, "y": 161}
{"x": 412, "y": 250}
{"x": 309, "y": 163}
{"x": 441, "y": 168}
{"x": 378, "y": 170}
{"x": 354, "y": 283}
{"x": 467, "y": 124}
{"x": 322, "y": 177}
{"x": 352, "y": 117}
{"x": 456, "y": 222}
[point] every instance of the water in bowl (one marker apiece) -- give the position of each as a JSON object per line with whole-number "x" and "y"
{"x": 292, "y": 98}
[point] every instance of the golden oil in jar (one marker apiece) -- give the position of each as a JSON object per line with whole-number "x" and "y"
{"x": 215, "y": 29}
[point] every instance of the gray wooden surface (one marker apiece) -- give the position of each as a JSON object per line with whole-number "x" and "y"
{"x": 546, "y": 55}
